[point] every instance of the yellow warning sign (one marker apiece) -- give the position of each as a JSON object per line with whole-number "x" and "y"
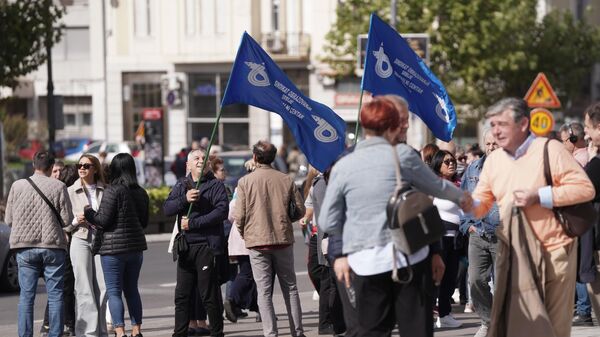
{"x": 541, "y": 122}
{"x": 541, "y": 94}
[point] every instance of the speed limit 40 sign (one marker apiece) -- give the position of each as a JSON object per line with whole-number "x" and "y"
{"x": 541, "y": 122}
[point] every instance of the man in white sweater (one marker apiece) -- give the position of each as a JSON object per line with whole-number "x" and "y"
{"x": 37, "y": 208}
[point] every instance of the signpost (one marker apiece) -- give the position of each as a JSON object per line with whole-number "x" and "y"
{"x": 540, "y": 96}
{"x": 541, "y": 122}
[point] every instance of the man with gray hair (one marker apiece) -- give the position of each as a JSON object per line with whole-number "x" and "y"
{"x": 482, "y": 241}
{"x": 263, "y": 219}
{"x": 573, "y": 137}
{"x": 536, "y": 261}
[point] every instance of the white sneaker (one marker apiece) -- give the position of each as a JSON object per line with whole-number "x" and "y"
{"x": 468, "y": 308}
{"x": 447, "y": 322}
{"x": 483, "y": 331}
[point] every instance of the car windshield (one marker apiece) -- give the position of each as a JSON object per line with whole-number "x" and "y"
{"x": 235, "y": 166}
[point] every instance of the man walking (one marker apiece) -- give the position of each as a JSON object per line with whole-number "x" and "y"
{"x": 262, "y": 217}
{"x": 535, "y": 255}
{"x": 37, "y": 209}
{"x": 482, "y": 242}
{"x": 203, "y": 232}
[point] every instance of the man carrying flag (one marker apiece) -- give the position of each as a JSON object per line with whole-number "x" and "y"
{"x": 392, "y": 67}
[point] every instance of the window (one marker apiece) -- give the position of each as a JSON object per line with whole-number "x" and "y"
{"x": 191, "y": 11}
{"x": 205, "y": 93}
{"x": 142, "y": 16}
{"x": 86, "y": 119}
{"x": 145, "y": 95}
{"x": 73, "y": 45}
{"x": 203, "y": 96}
{"x": 235, "y": 133}
{"x": 275, "y": 8}
{"x": 70, "y": 120}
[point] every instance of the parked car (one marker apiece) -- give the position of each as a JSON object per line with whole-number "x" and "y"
{"x": 9, "y": 275}
{"x": 75, "y": 147}
{"x": 233, "y": 161}
{"x": 28, "y": 149}
{"x": 112, "y": 149}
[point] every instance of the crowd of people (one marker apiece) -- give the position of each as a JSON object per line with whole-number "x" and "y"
{"x": 81, "y": 227}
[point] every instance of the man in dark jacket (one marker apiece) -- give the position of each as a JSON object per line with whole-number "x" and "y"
{"x": 203, "y": 231}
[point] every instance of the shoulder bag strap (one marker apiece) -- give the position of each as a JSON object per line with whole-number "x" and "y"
{"x": 399, "y": 186}
{"x": 60, "y": 220}
{"x": 547, "y": 172}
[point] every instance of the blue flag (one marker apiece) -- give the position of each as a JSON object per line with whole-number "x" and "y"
{"x": 392, "y": 67}
{"x": 256, "y": 80}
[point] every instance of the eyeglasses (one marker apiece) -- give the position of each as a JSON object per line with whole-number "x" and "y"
{"x": 448, "y": 161}
{"x": 84, "y": 166}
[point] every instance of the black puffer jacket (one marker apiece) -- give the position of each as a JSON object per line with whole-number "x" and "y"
{"x": 122, "y": 216}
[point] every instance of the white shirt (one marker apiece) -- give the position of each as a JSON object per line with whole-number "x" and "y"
{"x": 91, "y": 195}
{"x": 379, "y": 259}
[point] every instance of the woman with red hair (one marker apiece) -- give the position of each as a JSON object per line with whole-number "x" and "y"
{"x": 354, "y": 207}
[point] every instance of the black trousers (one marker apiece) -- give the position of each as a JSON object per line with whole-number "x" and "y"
{"x": 329, "y": 298}
{"x": 197, "y": 268}
{"x": 383, "y": 303}
{"x": 243, "y": 289}
{"x": 349, "y": 308}
{"x": 448, "y": 284}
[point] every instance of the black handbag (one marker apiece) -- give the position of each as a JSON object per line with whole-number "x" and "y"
{"x": 574, "y": 219}
{"x": 294, "y": 212}
{"x": 413, "y": 220}
{"x": 180, "y": 244}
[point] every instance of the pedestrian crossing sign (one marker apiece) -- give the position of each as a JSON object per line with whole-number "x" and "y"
{"x": 541, "y": 94}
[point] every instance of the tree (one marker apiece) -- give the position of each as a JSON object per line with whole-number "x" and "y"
{"x": 482, "y": 50}
{"x": 23, "y": 31}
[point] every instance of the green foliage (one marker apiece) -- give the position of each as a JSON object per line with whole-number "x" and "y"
{"x": 15, "y": 132}
{"x": 157, "y": 197}
{"x": 482, "y": 50}
{"x": 23, "y": 34}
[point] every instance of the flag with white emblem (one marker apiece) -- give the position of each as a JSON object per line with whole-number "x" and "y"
{"x": 392, "y": 67}
{"x": 257, "y": 80}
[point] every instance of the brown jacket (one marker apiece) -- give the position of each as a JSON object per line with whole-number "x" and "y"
{"x": 261, "y": 211}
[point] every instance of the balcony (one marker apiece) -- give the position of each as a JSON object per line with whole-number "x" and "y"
{"x": 286, "y": 44}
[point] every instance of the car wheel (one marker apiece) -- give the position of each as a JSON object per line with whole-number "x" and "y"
{"x": 10, "y": 274}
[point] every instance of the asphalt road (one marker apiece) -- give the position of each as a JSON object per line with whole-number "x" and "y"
{"x": 157, "y": 284}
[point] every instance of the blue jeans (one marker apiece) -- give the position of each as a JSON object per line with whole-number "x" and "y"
{"x": 584, "y": 306}
{"x": 121, "y": 274}
{"x": 33, "y": 263}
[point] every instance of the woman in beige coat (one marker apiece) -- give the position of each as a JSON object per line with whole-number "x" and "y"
{"x": 90, "y": 291}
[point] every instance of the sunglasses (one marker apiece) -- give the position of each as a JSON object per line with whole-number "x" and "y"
{"x": 84, "y": 166}
{"x": 448, "y": 161}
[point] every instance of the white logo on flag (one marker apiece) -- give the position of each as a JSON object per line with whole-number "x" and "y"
{"x": 441, "y": 110}
{"x": 258, "y": 70}
{"x": 381, "y": 59}
{"x": 324, "y": 133}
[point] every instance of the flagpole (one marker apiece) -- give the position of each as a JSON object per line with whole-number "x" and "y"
{"x": 358, "y": 117}
{"x": 206, "y": 155}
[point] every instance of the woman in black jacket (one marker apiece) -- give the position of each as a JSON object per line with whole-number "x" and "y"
{"x": 122, "y": 217}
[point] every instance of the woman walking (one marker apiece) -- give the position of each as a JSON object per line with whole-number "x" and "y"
{"x": 354, "y": 206}
{"x": 122, "y": 217}
{"x": 443, "y": 164}
{"x": 90, "y": 290}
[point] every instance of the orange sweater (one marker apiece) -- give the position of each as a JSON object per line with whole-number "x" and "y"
{"x": 501, "y": 175}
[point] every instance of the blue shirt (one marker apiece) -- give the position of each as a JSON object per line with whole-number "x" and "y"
{"x": 485, "y": 226}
